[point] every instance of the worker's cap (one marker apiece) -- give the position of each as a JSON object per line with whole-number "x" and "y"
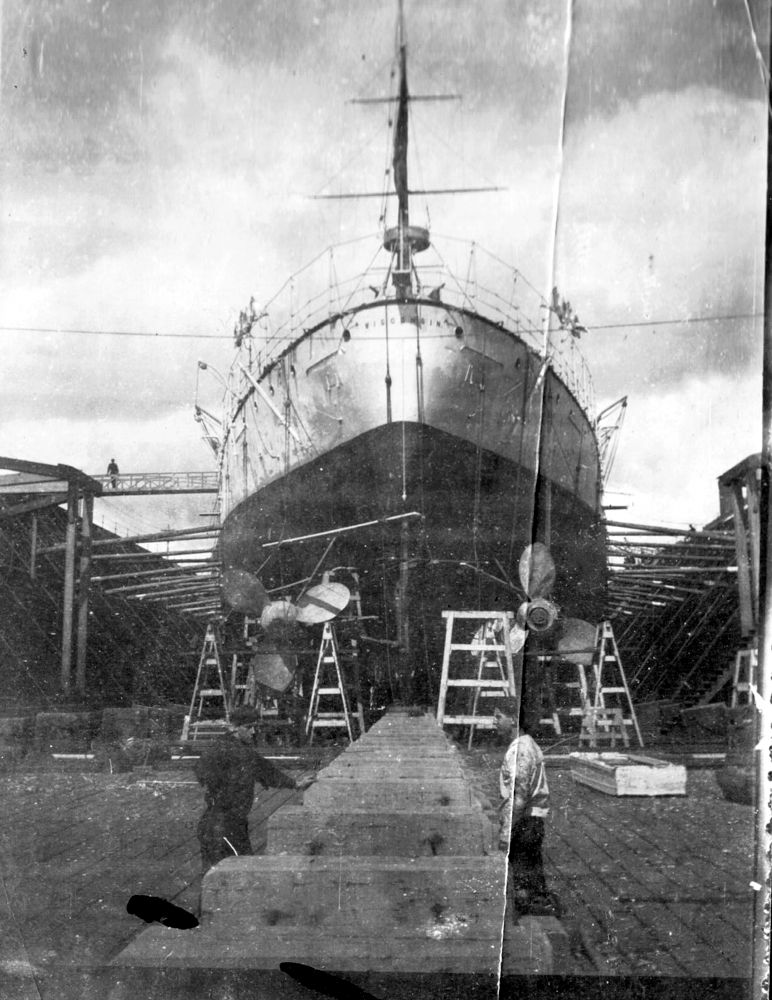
{"x": 244, "y": 717}
{"x": 507, "y": 706}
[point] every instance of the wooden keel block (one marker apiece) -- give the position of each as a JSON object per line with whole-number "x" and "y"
{"x": 368, "y": 752}
{"x": 464, "y": 832}
{"x": 397, "y": 899}
{"x": 430, "y": 769}
{"x": 399, "y": 795}
{"x": 236, "y": 948}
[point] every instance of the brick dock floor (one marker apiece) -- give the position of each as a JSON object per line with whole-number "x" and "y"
{"x": 650, "y": 887}
{"x": 655, "y": 886}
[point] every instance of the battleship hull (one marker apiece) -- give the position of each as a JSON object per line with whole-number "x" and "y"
{"x": 422, "y": 409}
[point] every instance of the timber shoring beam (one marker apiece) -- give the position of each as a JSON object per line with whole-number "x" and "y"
{"x": 718, "y": 634}
{"x": 658, "y": 530}
{"x": 140, "y": 642}
{"x": 206, "y": 555}
{"x": 28, "y": 506}
{"x": 159, "y": 573}
{"x": 160, "y": 585}
{"x": 69, "y": 588}
{"x": 156, "y": 536}
{"x": 703, "y": 615}
{"x": 84, "y": 574}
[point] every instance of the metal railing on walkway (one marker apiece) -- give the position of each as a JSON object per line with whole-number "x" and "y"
{"x": 140, "y": 483}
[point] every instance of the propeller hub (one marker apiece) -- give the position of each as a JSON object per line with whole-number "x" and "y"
{"x": 540, "y": 615}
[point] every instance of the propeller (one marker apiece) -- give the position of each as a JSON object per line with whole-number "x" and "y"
{"x": 244, "y": 592}
{"x": 517, "y": 636}
{"x": 282, "y": 610}
{"x": 577, "y": 641}
{"x": 274, "y": 670}
{"x": 322, "y": 603}
{"x": 537, "y": 578}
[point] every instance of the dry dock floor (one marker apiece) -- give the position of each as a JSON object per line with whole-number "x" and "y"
{"x": 650, "y": 887}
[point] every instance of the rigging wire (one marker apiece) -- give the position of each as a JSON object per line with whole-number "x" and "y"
{"x": 591, "y": 327}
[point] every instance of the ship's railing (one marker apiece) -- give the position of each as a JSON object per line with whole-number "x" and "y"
{"x": 335, "y": 283}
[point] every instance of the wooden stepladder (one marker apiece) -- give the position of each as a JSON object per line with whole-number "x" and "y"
{"x": 612, "y": 712}
{"x": 497, "y": 626}
{"x": 208, "y": 675}
{"x": 324, "y": 688}
{"x": 745, "y": 663}
{"x": 243, "y": 689}
{"x": 490, "y": 666}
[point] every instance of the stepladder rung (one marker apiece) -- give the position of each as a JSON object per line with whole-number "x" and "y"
{"x": 479, "y": 721}
{"x": 471, "y": 682}
{"x": 613, "y": 690}
{"x": 477, "y": 647}
{"x": 328, "y": 683}
{"x": 480, "y": 615}
{"x": 211, "y": 693}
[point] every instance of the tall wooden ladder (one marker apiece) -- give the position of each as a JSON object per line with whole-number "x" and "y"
{"x": 204, "y": 692}
{"x": 580, "y": 687}
{"x": 324, "y": 688}
{"x": 489, "y": 666}
{"x": 243, "y": 690}
{"x": 744, "y": 669}
{"x": 502, "y": 685}
{"x": 551, "y": 718}
{"x": 612, "y": 712}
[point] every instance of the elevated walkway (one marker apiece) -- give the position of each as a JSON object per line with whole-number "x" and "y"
{"x": 134, "y": 484}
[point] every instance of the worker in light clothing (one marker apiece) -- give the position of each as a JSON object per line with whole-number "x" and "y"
{"x": 525, "y": 801}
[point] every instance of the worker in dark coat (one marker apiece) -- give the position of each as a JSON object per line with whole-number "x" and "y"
{"x": 229, "y": 769}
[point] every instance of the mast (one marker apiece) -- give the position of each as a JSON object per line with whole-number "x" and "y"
{"x": 399, "y": 159}
{"x": 404, "y": 240}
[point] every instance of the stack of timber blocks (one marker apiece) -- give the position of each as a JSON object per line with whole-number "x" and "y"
{"x": 390, "y": 865}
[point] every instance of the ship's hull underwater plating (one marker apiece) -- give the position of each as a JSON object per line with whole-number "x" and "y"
{"x": 414, "y": 406}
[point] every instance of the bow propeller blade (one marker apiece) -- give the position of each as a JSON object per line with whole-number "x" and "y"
{"x": 244, "y": 592}
{"x": 537, "y": 571}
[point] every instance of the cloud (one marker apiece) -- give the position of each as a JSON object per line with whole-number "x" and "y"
{"x": 670, "y": 464}
{"x": 159, "y": 160}
{"x": 666, "y": 47}
{"x": 662, "y": 217}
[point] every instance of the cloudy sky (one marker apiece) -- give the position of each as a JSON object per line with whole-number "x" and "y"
{"x": 157, "y": 158}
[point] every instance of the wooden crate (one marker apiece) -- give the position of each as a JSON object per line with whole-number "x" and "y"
{"x": 628, "y": 774}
